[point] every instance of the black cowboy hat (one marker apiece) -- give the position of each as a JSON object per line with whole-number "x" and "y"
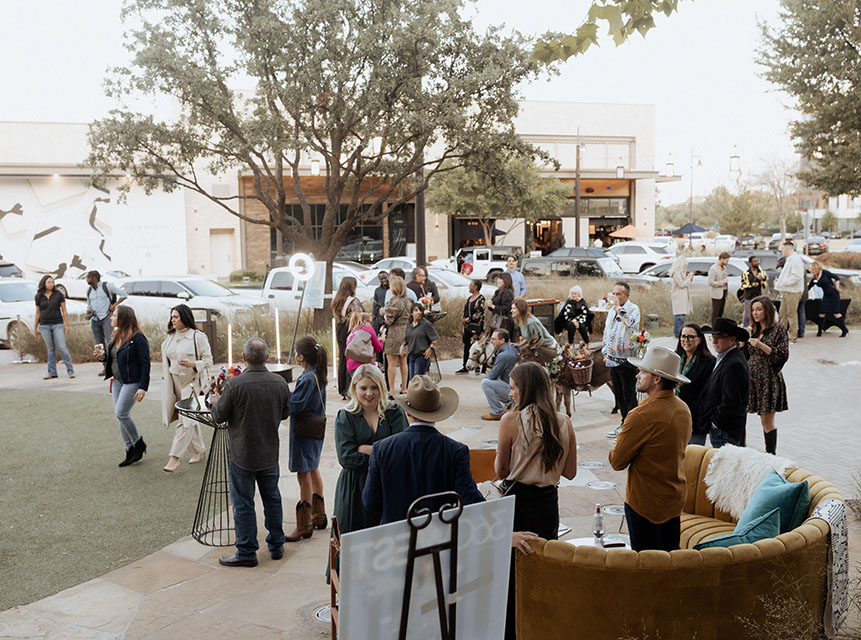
{"x": 729, "y": 327}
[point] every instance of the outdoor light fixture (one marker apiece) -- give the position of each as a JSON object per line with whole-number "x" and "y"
{"x": 735, "y": 162}
{"x": 670, "y": 167}
{"x": 315, "y": 167}
{"x": 620, "y": 172}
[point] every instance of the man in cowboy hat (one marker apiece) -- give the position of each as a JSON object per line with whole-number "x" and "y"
{"x": 726, "y": 393}
{"x": 652, "y": 446}
{"x": 419, "y": 460}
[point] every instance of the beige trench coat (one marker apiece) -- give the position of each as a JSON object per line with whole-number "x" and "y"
{"x": 680, "y": 294}
{"x": 173, "y": 385}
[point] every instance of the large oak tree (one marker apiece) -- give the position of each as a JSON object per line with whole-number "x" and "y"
{"x": 382, "y": 90}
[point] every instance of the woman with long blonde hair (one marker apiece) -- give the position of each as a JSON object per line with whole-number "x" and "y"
{"x": 829, "y": 305}
{"x": 344, "y": 303}
{"x": 397, "y": 314}
{"x": 680, "y": 293}
{"x": 368, "y": 418}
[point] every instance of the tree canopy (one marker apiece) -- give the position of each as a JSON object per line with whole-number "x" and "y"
{"x": 503, "y": 188}
{"x": 381, "y": 91}
{"x": 623, "y": 18}
{"x": 813, "y": 55}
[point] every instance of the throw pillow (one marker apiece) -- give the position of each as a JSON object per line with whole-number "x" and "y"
{"x": 766, "y": 526}
{"x": 792, "y": 498}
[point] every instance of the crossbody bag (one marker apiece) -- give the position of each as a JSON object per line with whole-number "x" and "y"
{"x": 310, "y": 426}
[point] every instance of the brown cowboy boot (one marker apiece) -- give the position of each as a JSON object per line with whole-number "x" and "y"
{"x": 303, "y": 523}
{"x": 318, "y": 512}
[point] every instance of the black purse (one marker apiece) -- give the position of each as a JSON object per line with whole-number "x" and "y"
{"x": 306, "y": 425}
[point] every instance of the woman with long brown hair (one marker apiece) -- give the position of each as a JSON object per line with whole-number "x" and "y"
{"x": 397, "y": 314}
{"x": 536, "y": 445}
{"x": 52, "y": 324}
{"x": 767, "y": 352}
{"x": 308, "y": 399}
{"x": 127, "y": 365}
{"x": 344, "y": 303}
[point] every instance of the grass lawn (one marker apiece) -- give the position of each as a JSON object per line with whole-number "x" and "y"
{"x": 67, "y": 512}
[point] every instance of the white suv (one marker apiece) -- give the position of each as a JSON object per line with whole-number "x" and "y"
{"x": 635, "y": 256}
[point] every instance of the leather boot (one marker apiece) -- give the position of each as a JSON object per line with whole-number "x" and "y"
{"x": 318, "y": 512}
{"x": 303, "y": 523}
{"x": 770, "y": 441}
{"x": 841, "y": 322}
{"x": 129, "y": 453}
{"x": 138, "y": 450}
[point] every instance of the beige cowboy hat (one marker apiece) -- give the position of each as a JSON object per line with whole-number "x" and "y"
{"x": 428, "y": 402}
{"x": 662, "y": 362}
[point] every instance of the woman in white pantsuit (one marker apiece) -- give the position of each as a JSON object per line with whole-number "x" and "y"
{"x": 185, "y": 357}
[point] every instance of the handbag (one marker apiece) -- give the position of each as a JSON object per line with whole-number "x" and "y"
{"x": 309, "y": 426}
{"x": 360, "y": 348}
{"x": 491, "y": 489}
{"x": 497, "y": 321}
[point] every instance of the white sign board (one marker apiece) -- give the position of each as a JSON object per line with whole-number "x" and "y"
{"x": 315, "y": 287}
{"x": 373, "y": 569}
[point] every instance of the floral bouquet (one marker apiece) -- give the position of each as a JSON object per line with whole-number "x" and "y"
{"x": 216, "y": 384}
{"x": 641, "y": 342}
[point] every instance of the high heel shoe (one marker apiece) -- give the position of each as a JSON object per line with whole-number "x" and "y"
{"x": 197, "y": 457}
{"x": 172, "y": 464}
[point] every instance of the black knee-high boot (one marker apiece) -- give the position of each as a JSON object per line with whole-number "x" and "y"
{"x": 841, "y": 322}
{"x": 820, "y": 323}
{"x": 770, "y": 441}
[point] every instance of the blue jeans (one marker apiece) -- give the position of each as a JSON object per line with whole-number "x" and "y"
{"x": 719, "y": 438}
{"x": 802, "y": 319}
{"x": 418, "y": 365}
{"x": 102, "y": 330}
{"x": 124, "y": 400}
{"x": 496, "y": 392}
{"x": 242, "y": 494}
{"x": 55, "y": 339}
{"x": 678, "y": 322}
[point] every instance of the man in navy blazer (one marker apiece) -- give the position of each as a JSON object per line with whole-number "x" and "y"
{"x": 420, "y": 460}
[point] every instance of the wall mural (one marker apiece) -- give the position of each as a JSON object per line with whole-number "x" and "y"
{"x": 64, "y": 226}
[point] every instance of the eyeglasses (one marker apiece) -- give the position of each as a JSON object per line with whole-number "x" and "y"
{"x": 694, "y": 337}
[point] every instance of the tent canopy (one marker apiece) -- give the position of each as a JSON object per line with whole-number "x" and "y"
{"x": 688, "y": 228}
{"x": 628, "y": 231}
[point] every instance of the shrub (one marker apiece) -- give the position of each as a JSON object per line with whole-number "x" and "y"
{"x": 842, "y": 260}
{"x": 253, "y": 275}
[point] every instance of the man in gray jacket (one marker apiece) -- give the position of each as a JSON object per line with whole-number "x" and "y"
{"x": 253, "y": 405}
{"x": 718, "y": 285}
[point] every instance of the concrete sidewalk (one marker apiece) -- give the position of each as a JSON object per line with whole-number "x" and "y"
{"x": 182, "y": 591}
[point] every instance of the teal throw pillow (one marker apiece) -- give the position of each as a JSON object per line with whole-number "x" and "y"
{"x": 792, "y": 498}
{"x": 766, "y": 526}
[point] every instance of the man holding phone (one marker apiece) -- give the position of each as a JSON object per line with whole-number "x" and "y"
{"x": 620, "y": 329}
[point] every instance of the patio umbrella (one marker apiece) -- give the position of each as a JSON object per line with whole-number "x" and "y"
{"x": 688, "y": 228}
{"x": 628, "y": 231}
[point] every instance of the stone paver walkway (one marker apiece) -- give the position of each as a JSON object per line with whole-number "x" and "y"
{"x": 182, "y": 591}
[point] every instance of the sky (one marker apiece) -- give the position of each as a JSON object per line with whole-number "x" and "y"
{"x": 697, "y": 67}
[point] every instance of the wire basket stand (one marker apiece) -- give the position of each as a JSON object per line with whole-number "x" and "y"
{"x": 213, "y": 520}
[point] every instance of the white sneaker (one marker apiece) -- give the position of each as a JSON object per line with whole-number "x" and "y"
{"x": 615, "y": 432}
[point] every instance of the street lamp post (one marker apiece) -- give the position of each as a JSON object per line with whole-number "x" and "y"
{"x": 691, "y": 202}
{"x": 577, "y": 192}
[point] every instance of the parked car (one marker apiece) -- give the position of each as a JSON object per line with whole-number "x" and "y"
{"x": 450, "y": 285}
{"x": 776, "y": 241}
{"x": 767, "y": 259}
{"x": 698, "y": 240}
{"x": 279, "y": 293}
{"x": 848, "y": 277}
{"x": 700, "y": 268}
{"x": 76, "y": 288}
{"x": 152, "y": 297}
{"x": 406, "y": 263}
{"x": 485, "y": 263}
{"x": 815, "y": 246}
{"x": 18, "y": 308}
{"x": 749, "y": 241}
{"x": 364, "y": 249}
{"x": 580, "y": 252}
{"x": 635, "y": 256}
{"x": 582, "y": 267}
{"x": 666, "y": 241}
{"x": 726, "y": 242}
{"x": 10, "y": 270}
{"x": 852, "y": 248}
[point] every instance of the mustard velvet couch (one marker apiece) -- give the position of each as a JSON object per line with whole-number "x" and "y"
{"x": 569, "y": 592}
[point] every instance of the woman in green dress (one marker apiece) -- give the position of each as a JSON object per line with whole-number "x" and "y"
{"x": 367, "y": 419}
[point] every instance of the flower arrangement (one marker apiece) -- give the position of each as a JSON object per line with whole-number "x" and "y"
{"x": 427, "y": 303}
{"x": 641, "y": 342}
{"x": 216, "y": 383}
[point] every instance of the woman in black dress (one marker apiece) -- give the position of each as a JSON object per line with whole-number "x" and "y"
{"x": 697, "y": 365}
{"x": 473, "y": 320}
{"x": 500, "y": 303}
{"x": 829, "y": 305}
{"x": 767, "y": 351}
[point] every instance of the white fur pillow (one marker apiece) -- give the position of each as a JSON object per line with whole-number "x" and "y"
{"x": 734, "y": 473}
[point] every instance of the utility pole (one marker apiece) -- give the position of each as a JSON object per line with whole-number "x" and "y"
{"x": 577, "y": 193}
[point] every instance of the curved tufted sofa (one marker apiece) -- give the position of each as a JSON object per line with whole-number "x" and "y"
{"x": 587, "y": 592}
